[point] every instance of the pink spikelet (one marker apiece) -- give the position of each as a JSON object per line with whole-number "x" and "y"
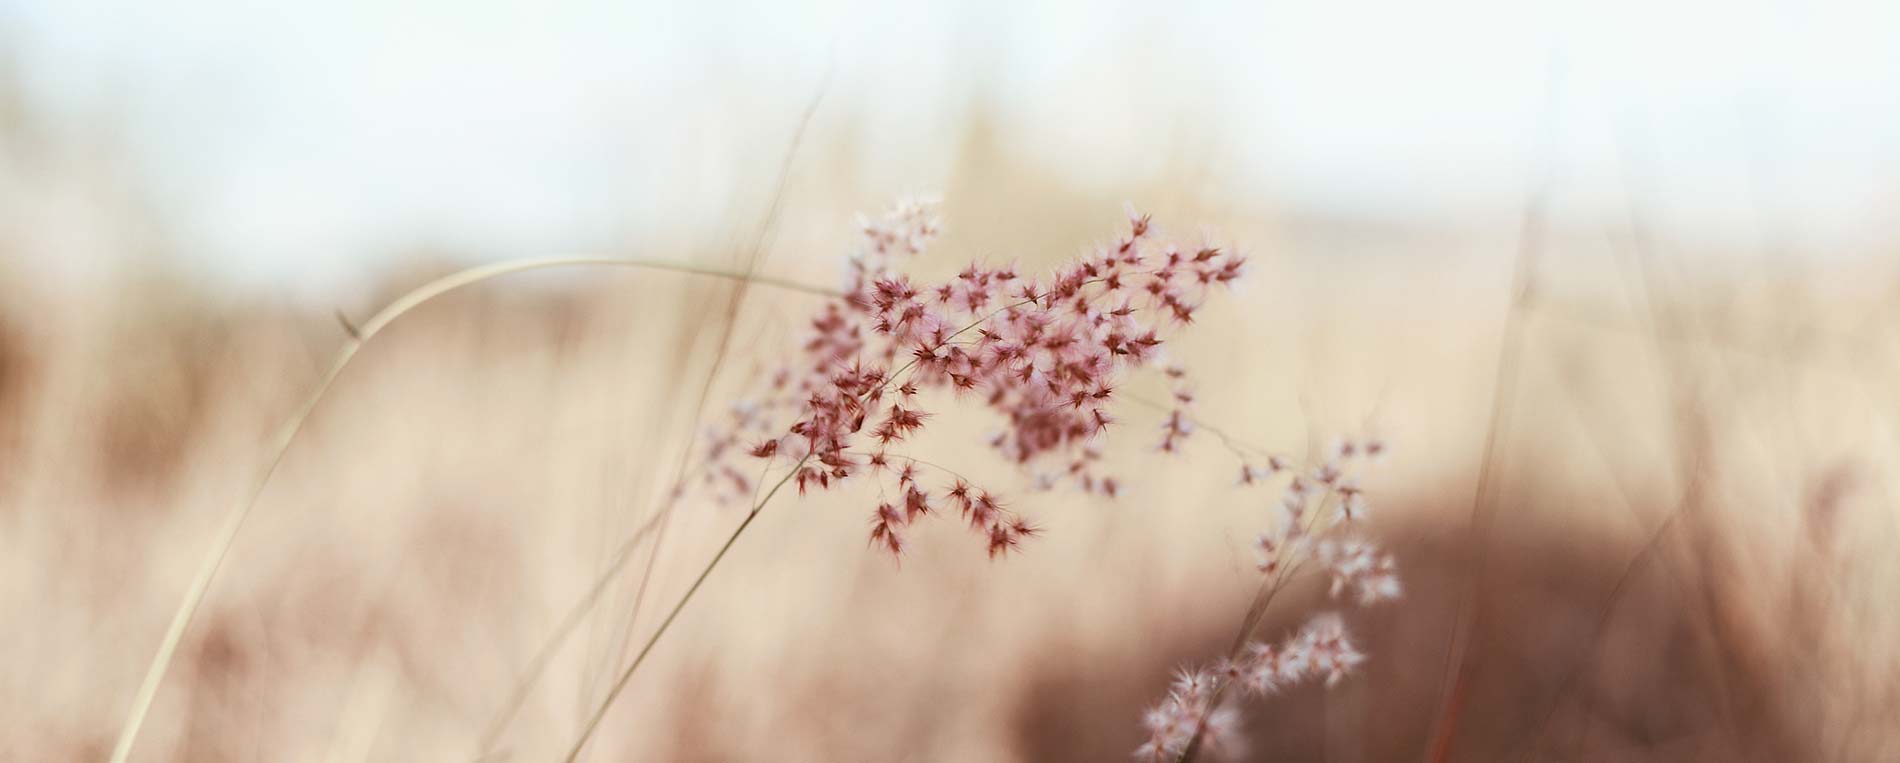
{"x": 1044, "y": 354}
{"x": 1314, "y": 524}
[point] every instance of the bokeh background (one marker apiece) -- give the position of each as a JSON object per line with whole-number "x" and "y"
{"x": 1617, "y": 281}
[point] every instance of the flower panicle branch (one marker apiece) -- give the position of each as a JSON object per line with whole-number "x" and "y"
{"x": 1045, "y": 355}
{"x": 1316, "y": 521}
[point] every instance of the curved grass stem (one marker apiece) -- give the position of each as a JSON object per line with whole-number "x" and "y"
{"x": 359, "y": 335}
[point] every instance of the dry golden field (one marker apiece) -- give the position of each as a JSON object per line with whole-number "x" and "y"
{"x": 1683, "y": 547}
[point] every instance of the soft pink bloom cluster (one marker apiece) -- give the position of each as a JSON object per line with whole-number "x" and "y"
{"x": 1190, "y": 709}
{"x": 1313, "y": 523}
{"x": 1044, "y": 354}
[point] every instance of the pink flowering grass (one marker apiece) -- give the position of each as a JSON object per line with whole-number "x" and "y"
{"x": 1045, "y": 355}
{"x": 1314, "y": 524}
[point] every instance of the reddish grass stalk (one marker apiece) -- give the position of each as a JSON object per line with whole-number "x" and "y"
{"x": 1484, "y": 495}
{"x": 1531, "y": 231}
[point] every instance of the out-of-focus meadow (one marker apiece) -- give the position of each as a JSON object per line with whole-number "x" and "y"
{"x": 1685, "y": 550}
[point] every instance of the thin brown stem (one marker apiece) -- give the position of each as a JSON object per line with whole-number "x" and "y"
{"x": 549, "y": 648}
{"x": 1530, "y": 242}
{"x": 626, "y": 676}
{"x": 1240, "y": 448}
{"x": 752, "y": 259}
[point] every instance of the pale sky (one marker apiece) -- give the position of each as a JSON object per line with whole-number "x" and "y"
{"x": 317, "y": 138}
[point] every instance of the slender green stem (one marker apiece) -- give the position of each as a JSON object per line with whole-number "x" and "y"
{"x": 620, "y": 684}
{"x": 234, "y": 518}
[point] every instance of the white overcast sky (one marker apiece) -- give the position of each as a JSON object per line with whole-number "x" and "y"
{"x": 307, "y": 139}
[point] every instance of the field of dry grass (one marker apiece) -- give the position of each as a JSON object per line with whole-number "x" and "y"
{"x": 1684, "y": 550}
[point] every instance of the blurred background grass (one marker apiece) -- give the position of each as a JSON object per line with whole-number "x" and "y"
{"x": 1690, "y": 555}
